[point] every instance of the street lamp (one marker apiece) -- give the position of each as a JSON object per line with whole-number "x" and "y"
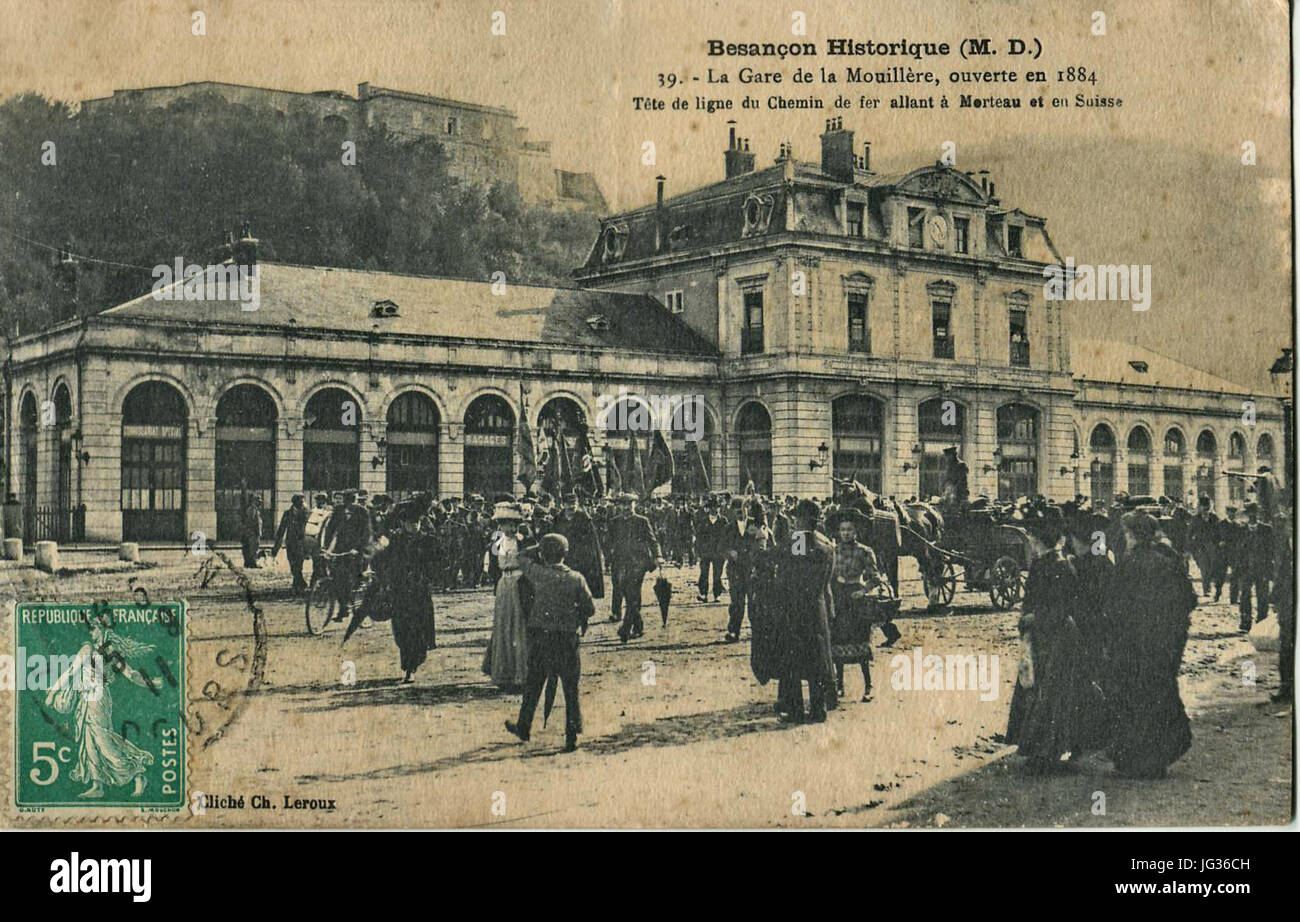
{"x": 1282, "y": 374}
{"x": 823, "y": 453}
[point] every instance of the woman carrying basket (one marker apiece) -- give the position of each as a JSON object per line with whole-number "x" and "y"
{"x": 858, "y": 588}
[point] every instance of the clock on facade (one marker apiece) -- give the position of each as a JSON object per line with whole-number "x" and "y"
{"x": 937, "y": 228}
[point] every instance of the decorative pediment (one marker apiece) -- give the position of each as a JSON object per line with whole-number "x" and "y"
{"x": 943, "y": 182}
{"x": 858, "y": 281}
{"x": 942, "y": 289}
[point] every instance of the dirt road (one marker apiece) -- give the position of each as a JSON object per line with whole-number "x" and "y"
{"x": 677, "y": 731}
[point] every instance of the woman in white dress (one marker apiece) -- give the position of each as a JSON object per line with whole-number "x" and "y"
{"x": 104, "y": 756}
{"x": 506, "y": 660}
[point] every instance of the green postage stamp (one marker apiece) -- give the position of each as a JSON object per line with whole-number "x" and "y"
{"x": 99, "y": 720}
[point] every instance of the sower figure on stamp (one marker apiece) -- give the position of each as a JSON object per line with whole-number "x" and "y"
{"x": 561, "y": 608}
{"x": 291, "y": 535}
{"x": 857, "y": 577}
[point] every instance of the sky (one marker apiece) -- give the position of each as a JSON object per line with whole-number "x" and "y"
{"x": 1158, "y": 181}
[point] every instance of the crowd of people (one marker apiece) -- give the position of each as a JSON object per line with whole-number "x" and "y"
{"x": 1104, "y": 622}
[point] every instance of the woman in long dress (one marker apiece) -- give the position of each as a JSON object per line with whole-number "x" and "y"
{"x": 104, "y": 756}
{"x": 506, "y": 660}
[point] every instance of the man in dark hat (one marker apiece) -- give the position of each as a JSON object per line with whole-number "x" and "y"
{"x": 744, "y": 542}
{"x": 801, "y": 583}
{"x": 634, "y": 551}
{"x": 956, "y": 483}
{"x": 348, "y": 537}
{"x": 292, "y": 536}
{"x": 584, "y": 545}
{"x": 1256, "y": 557}
{"x": 710, "y": 535}
{"x": 561, "y": 608}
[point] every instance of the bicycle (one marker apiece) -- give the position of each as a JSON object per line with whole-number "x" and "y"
{"x": 322, "y": 610}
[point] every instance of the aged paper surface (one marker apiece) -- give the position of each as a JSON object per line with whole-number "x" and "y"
{"x": 910, "y": 387}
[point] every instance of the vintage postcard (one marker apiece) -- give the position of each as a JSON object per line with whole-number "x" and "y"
{"x": 600, "y": 414}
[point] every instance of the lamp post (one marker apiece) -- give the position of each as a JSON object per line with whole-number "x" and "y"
{"x": 1282, "y": 373}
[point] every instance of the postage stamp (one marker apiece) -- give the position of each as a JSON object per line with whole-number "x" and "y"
{"x": 99, "y": 709}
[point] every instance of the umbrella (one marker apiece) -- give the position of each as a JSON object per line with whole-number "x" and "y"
{"x": 549, "y": 702}
{"x": 664, "y": 593}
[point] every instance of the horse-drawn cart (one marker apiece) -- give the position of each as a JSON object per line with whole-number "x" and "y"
{"x": 991, "y": 557}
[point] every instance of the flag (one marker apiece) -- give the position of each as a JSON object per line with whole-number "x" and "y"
{"x": 565, "y": 461}
{"x": 749, "y": 481}
{"x": 587, "y": 476}
{"x": 699, "y": 471}
{"x": 527, "y": 454}
{"x": 636, "y": 475}
{"x": 612, "y": 476}
{"x": 547, "y": 457}
{"x": 660, "y": 464}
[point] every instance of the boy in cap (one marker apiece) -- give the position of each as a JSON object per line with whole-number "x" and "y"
{"x": 561, "y": 608}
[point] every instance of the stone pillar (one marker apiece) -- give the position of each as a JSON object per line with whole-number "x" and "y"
{"x": 901, "y": 435}
{"x": 288, "y": 463}
{"x": 1220, "y": 483}
{"x": 451, "y": 460}
{"x": 201, "y": 478}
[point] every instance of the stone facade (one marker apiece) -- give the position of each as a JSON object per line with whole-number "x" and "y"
{"x": 483, "y": 143}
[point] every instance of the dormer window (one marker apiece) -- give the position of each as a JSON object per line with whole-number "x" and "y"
{"x": 916, "y": 227}
{"x": 961, "y": 234}
{"x": 598, "y": 322}
{"x": 453, "y": 125}
{"x": 384, "y": 309}
{"x": 673, "y": 301}
{"x": 1015, "y": 245}
{"x": 1138, "y": 365}
{"x": 855, "y": 219}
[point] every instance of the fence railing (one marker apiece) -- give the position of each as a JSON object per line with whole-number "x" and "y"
{"x": 54, "y": 523}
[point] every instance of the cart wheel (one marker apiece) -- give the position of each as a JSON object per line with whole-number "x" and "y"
{"x": 947, "y": 583}
{"x": 1005, "y": 583}
{"x": 320, "y": 607}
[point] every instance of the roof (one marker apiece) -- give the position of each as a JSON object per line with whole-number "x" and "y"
{"x": 314, "y": 297}
{"x": 1108, "y": 361}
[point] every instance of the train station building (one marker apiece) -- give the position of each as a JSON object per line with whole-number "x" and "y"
{"x": 835, "y": 322}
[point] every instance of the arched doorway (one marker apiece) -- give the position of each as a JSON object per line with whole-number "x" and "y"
{"x": 1175, "y": 452}
{"x": 1139, "y": 462}
{"x": 412, "y": 457}
{"x": 1101, "y": 444}
{"x": 692, "y": 446}
{"x": 155, "y": 423}
{"x": 1207, "y": 450}
{"x": 754, "y": 435}
{"x": 1017, "y": 451}
{"x": 27, "y": 429}
{"x": 561, "y": 424}
{"x": 489, "y": 446}
{"x": 941, "y": 424}
{"x": 857, "y": 434}
{"x": 627, "y": 423}
{"x": 331, "y": 443}
{"x": 246, "y": 421}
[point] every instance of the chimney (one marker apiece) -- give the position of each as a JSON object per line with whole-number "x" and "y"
{"x": 737, "y": 157}
{"x": 226, "y": 251}
{"x": 866, "y": 155}
{"x": 659, "y": 192}
{"x": 984, "y": 181}
{"x": 837, "y": 150}
{"x": 246, "y": 249}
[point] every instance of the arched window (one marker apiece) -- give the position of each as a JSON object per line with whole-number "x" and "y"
{"x": 628, "y": 423}
{"x": 154, "y": 431}
{"x": 1139, "y": 462}
{"x": 1207, "y": 449}
{"x": 1102, "y": 446}
{"x": 331, "y": 448}
{"x": 941, "y": 424}
{"x": 489, "y": 446}
{"x": 412, "y": 454}
{"x": 1236, "y": 465}
{"x": 246, "y": 421}
{"x": 1017, "y": 451}
{"x": 754, "y": 433}
{"x": 1175, "y": 452}
{"x": 857, "y": 431}
{"x": 692, "y": 445}
{"x": 1264, "y": 450}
